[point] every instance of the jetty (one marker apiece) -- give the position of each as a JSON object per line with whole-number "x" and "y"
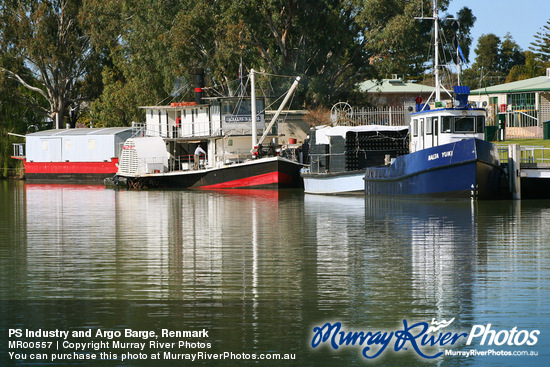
{"x": 528, "y": 171}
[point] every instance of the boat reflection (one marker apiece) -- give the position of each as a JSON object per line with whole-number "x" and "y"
{"x": 383, "y": 259}
{"x": 435, "y": 246}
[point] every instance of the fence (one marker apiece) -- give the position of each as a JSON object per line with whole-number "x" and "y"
{"x": 386, "y": 116}
{"x": 520, "y": 124}
{"x": 523, "y": 124}
{"x": 528, "y": 154}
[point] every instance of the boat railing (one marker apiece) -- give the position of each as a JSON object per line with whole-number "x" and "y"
{"x": 186, "y": 162}
{"x": 385, "y": 116}
{"x": 236, "y": 156}
{"x": 141, "y": 129}
{"x": 138, "y": 129}
{"x": 320, "y": 162}
{"x": 528, "y": 154}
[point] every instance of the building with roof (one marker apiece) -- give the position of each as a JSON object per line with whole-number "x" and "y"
{"x": 523, "y": 106}
{"x": 394, "y": 92}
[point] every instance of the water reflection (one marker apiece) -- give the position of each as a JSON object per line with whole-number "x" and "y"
{"x": 244, "y": 263}
{"x": 383, "y": 260}
{"x": 101, "y": 243}
{"x": 439, "y": 242}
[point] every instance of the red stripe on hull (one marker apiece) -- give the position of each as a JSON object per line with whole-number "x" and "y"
{"x": 72, "y": 167}
{"x": 266, "y": 179}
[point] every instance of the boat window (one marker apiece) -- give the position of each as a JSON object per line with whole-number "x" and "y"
{"x": 421, "y": 127}
{"x": 429, "y": 126}
{"x": 435, "y": 125}
{"x": 242, "y": 107}
{"x": 464, "y": 124}
{"x": 415, "y": 127}
{"x": 480, "y": 124}
{"x": 446, "y": 124}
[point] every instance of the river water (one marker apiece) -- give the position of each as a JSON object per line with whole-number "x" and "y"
{"x": 253, "y": 273}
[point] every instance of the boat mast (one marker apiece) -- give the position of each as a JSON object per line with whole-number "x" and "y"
{"x": 437, "y": 83}
{"x": 254, "y": 133}
{"x": 436, "y": 48}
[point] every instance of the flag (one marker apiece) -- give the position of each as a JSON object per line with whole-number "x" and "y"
{"x": 461, "y": 54}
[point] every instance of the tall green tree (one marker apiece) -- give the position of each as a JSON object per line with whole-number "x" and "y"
{"x": 137, "y": 40}
{"x": 532, "y": 68}
{"x": 488, "y": 52}
{"x": 541, "y": 45}
{"x": 15, "y": 118}
{"x": 319, "y": 40}
{"x": 510, "y": 54}
{"x": 55, "y": 50}
{"x": 466, "y": 20}
{"x": 153, "y": 47}
{"x": 400, "y": 35}
{"x": 494, "y": 61}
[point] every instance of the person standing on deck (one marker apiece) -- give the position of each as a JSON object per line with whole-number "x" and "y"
{"x": 198, "y": 152}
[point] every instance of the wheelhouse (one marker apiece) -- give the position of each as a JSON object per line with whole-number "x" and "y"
{"x": 436, "y": 127}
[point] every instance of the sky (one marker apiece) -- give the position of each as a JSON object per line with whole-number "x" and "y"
{"x": 523, "y": 19}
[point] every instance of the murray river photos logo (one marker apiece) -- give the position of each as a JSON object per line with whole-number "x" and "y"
{"x": 425, "y": 339}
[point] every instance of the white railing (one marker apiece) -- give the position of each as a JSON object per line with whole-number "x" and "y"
{"x": 386, "y": 116}
{"x": 528, "y": 154}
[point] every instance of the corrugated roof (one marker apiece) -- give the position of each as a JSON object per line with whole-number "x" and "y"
{"x": 85, "y": 131}
{"x": 393, "y": 86}
{"x": 538, "y": 84}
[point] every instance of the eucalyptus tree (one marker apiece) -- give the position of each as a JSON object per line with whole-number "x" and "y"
{"x": 154, "y": 46}
{"x": 318, "y": 40}
{"x": 55, "y": 53}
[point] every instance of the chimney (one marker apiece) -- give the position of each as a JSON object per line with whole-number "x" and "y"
{"x": 199, "y": 85}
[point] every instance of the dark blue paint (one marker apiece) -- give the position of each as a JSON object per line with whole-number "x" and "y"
{"x": 466, "y": 168}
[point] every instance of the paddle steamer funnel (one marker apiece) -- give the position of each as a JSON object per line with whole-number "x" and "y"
{"x": 199, "y": 85}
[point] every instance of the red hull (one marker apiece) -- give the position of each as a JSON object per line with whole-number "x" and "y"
{"x": 266, "y": 179}
{"x": 264, "y": 173}
{"x": 70, "y": 171}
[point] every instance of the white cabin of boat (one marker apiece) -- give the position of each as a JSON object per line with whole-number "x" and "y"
{"x": 446, "y": 122}
{"x": 221, "y": 127}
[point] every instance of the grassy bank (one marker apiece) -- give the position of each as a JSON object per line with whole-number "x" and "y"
{"x": 525, "y": 142}
{"x": 540, "y": 155}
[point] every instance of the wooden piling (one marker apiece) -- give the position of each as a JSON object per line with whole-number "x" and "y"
{"x": 514, "y": 170}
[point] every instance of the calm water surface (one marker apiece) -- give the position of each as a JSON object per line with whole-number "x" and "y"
{"x": 260, "y": 269}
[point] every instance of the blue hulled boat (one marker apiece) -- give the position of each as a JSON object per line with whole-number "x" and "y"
{"x": 467, "y": 168}
{"x": 448, "y": 157}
